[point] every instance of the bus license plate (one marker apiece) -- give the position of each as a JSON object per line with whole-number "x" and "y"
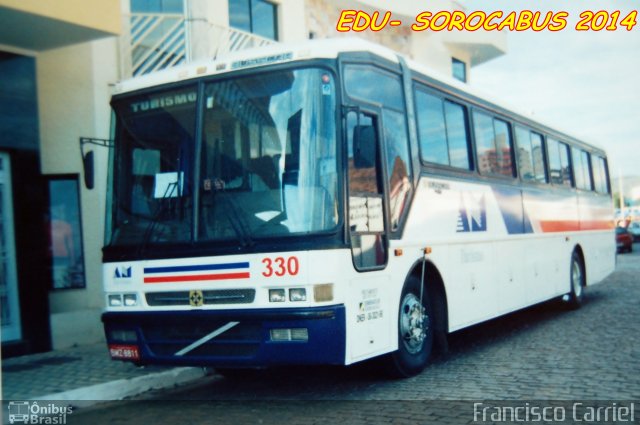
{"x": 124, "y": 352}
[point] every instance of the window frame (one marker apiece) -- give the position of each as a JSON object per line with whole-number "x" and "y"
{"x": 455, "y": 64}
{"x": 250, "y": 6}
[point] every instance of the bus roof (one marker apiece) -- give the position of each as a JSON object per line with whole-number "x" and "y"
{"x": 329, "y": 48}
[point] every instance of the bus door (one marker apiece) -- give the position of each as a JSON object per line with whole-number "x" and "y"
{"x": 366, "y": 192}
{"x": 368, "y": 325}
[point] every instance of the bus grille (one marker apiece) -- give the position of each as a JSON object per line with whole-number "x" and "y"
{"x": 167, "y": 339}
{"x": 218, "y": 296}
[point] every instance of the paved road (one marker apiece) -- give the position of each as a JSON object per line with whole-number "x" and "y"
{"x": 542, "y": 353}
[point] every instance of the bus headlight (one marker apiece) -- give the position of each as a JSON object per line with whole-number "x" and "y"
{"x": 115, "y": 300}
{"x": 276, "y": 296}
{"x": 130, "y": 300}
{"x": 297, "y": 294}
{"x": 122, "y": 300}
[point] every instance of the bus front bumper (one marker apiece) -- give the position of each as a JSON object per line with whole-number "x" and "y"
{"x": 228, "y": 338}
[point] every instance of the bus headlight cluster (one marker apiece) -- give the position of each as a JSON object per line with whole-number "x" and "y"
{"x": 120, "y": 300}
{"x": 280, "y": 295}
{"x": 321, "y": 293}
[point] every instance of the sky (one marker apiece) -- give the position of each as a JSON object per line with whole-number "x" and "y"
{"x": 586, "y": 84}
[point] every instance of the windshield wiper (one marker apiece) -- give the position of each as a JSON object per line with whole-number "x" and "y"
{"x": 235, "y": 217}
{"x": 153, "y": 221}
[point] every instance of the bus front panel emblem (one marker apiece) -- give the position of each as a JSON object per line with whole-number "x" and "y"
{"x": 196, "y": 299}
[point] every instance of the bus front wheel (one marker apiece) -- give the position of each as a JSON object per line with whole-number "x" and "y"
{"x": 415, "y": 332}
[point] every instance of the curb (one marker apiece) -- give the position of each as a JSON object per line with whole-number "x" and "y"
{"x": 122, "y": 388}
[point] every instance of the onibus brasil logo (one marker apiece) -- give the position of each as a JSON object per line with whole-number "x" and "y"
{"x": 32, "y": 412}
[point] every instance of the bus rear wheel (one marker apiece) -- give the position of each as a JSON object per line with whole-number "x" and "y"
{"x": 415, "y": 332}
{"x": 577, "y": 281}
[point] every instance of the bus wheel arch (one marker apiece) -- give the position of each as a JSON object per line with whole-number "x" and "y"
{"x": 412, "y": 357}
{"x": 437, "y": 295}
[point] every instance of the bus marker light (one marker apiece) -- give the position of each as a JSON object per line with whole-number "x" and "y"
{"x": 428, "y": 250}
{"x": 323, "y": 292}
{"x": 300, "y": 334}
{"x": 297, "y": 294}
{"x": 297, "y": 334}
{"x": 397, "y": 252}
{"x": 277, "y": 296}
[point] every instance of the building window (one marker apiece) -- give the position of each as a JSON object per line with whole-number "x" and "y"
{"x": 259, "y": 17}
{"x": 459, "y": 70}
{"x": 65, "y": 232}
{"x": 157, "y": 6}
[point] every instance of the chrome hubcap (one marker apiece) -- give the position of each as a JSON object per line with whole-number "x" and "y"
{"x": 414, "y": 323}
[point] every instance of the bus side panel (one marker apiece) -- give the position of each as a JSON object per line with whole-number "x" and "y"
{"x": 598, "y": 240}
{"x": 552, "y": 215}
{"x": 462, "y": 222}
{"x": 500, "y": 248}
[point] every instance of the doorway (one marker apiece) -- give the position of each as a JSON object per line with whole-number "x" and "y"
{"x": 9, "y": 303}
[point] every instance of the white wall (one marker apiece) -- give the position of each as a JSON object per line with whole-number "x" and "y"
{"x": 73, "y": 97}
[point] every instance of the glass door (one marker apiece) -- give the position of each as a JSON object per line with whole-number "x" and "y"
{"x": 9, "y": 306}
{"x": 366, "y": 192}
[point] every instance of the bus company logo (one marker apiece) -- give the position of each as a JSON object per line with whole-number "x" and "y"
{"x": 196, "y": 298}
{"x": 472, "y": 214}
{"x": 122, "y": 272}
{"x": 35, "y": 413}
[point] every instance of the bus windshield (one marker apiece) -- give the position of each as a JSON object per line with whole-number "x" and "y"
{"x": 263, "y": 164}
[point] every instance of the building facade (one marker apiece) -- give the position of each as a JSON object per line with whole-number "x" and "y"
{"x": 57, "y": 66}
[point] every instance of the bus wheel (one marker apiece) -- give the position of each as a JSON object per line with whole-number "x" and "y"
{"x": 577, "y": 281}
{"x": 415, "y": 332}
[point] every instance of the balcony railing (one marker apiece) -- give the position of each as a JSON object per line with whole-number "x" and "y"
{"x": 152, "y": 42}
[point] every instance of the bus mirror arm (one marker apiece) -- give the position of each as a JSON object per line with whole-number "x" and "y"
{"x": 88, "y": 158}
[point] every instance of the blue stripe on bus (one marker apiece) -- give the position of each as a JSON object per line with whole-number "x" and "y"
{"x": 511, "y": 207}
{"x": 196, "y": 268}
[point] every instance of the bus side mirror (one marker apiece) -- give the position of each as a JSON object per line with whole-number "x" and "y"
{"x": 87, "y": 165}
{"x": 364, "y": 146}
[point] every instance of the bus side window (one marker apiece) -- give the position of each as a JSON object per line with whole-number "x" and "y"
{"x": 599, "y": 171}
{"x": 384, "y": 90}
{"x": 494, "y": 146}
{"x": 442, "y": 131}
{"x": 559, "y": 166}
{"x": 530, "y": 155}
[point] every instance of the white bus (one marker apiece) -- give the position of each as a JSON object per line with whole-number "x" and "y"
{"x": 330, "y": 202}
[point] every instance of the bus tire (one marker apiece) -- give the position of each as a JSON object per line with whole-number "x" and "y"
{"x": 576, "y": 281}
{"x": 415, "y": 333}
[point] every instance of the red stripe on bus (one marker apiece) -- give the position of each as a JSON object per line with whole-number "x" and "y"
{"x": 196, "y": 278}
{"x": 574, "y": 225}
{"x": 596, "y": 225}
